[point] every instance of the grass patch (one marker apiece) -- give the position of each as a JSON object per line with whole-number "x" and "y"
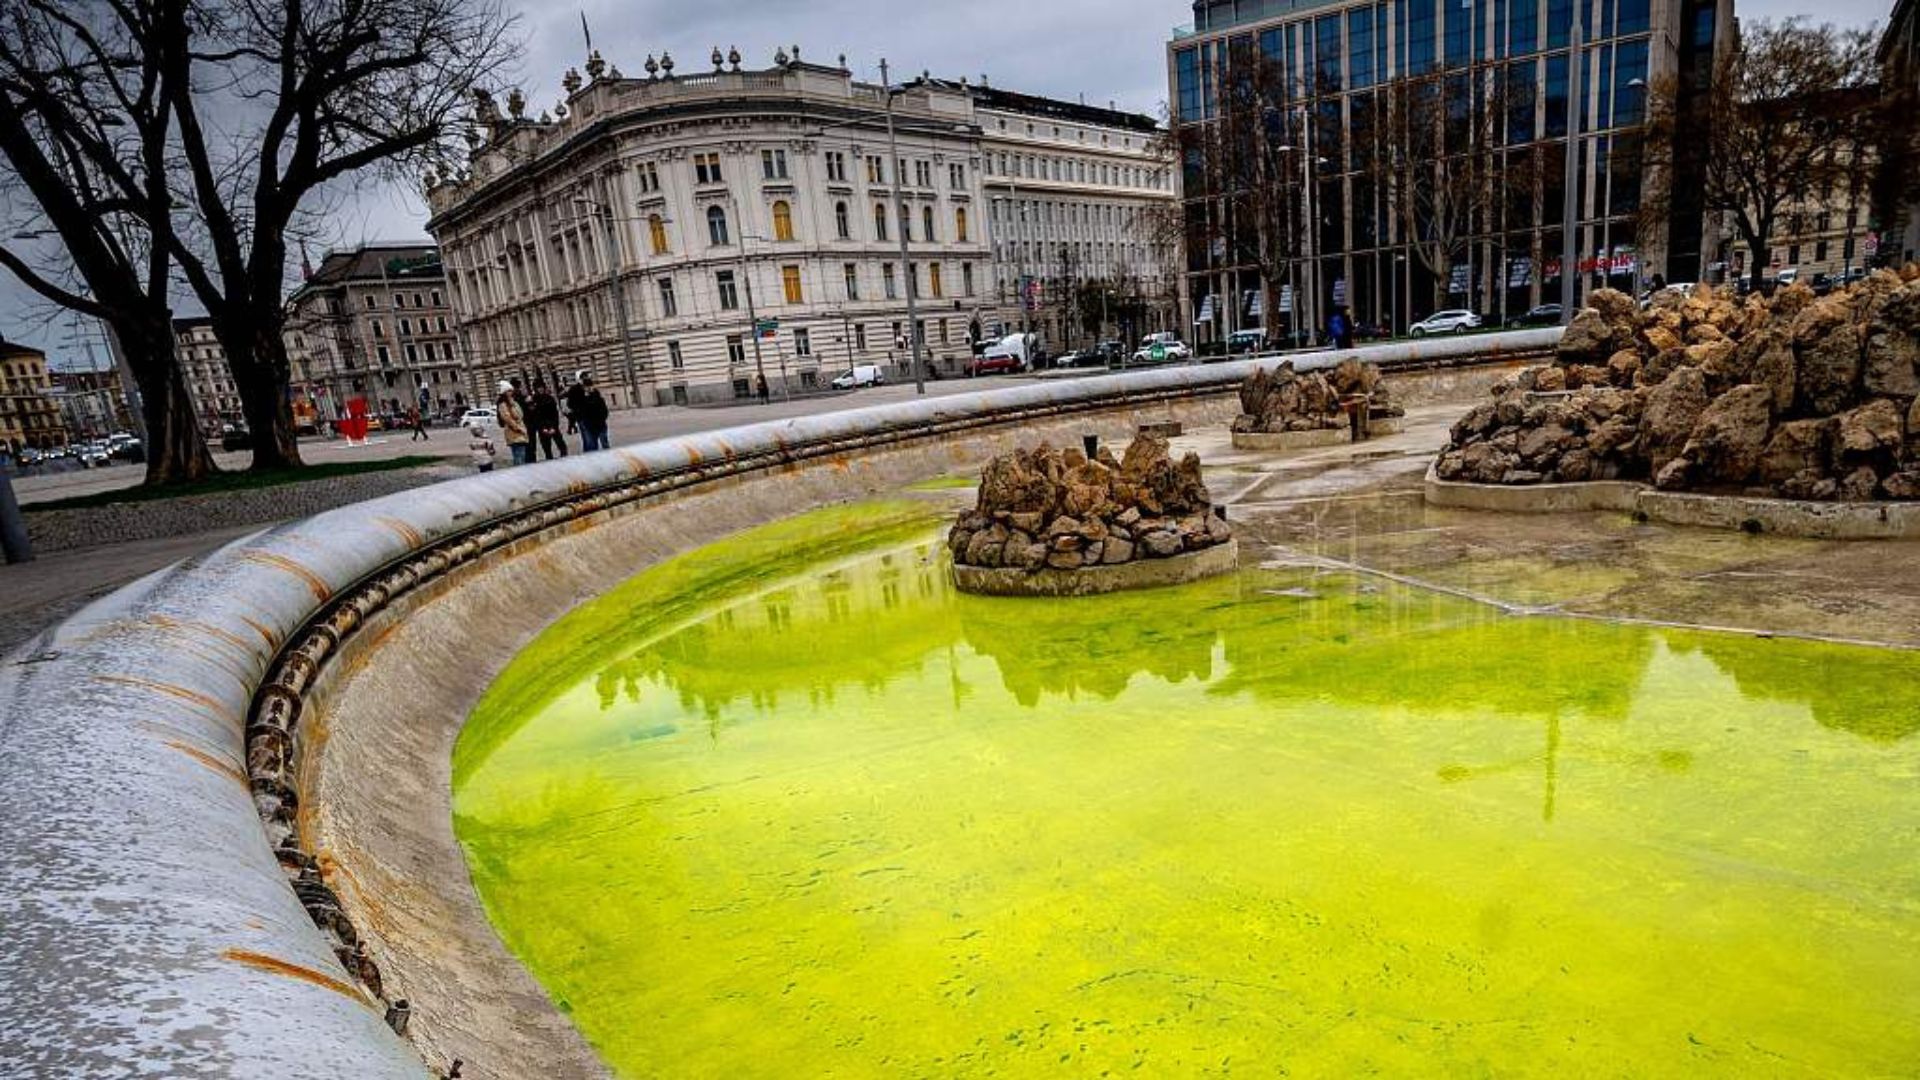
{"x": 225, "y": 482}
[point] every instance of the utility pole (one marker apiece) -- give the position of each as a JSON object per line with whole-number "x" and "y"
{"x": 900, "y": 214}
{"x": 753, "y": 317}
{"x": 1569, "y": 249}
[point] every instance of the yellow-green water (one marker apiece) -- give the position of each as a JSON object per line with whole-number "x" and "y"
{"x": 790, "y": 807}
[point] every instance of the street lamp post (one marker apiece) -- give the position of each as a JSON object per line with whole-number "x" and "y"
{"x": 1606, "y": 225}
{"x": 906, "y": 264}
{"x": 1569, "y": 207}
{"x": 604, "y": 212}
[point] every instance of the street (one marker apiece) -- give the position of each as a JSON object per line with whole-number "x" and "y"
{"x": 627, "y": 427}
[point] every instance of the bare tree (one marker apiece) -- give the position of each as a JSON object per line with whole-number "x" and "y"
{"x": 1779, "y": 122}
{"x": 1450, "y": 176}
{"x": 1243, "y": 172}
{"x": 84, "y": 129}
{"x": 311, "y": 93}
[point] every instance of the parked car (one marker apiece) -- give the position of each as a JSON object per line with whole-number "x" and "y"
{"x": 1171, "y": 348}
{"x": 1542, "y": 315}
{"x": 1013, "y": 353}
{"x": 95, "y": 455}
{"x": 1247, "y": 341}
{"x": 235, "y": 437}
{"x": 486, "y": 419}
{"x": 1077, "y": 358}
{"x": 1787, "y": 277}
{"x": 995, "y": 363}
{"x": 860, "y": 375}
{"x": 1451, "y": 321}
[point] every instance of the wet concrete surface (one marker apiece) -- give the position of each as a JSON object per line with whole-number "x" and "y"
{"x": 1362, "y": 506}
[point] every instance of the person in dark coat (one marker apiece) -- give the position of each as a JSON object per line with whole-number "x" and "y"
{"x": 543, "y": 417}
{"x": 589, "y": 412}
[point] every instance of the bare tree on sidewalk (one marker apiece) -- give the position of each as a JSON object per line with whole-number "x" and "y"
{"x": 1243, "y": 173}
{"x": 1789, "y": 107}
{"x": 305, "y": 95}
{"x": 241, "y": 114}
{"x": 85, "y": 134}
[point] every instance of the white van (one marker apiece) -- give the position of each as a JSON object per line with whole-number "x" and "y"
{"x": 859, "y": 375}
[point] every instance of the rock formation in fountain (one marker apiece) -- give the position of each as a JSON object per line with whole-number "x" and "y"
{"x": 1281, "y": 399}
{"x": 1795, "y": 396}
{"x": 1059, "y": 509}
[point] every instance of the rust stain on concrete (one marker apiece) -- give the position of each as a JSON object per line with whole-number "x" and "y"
{"x": 266, "y": 633}
{"x": 321, "y": 591}
{"x": 404, "y": 531}
{"x": 263, "y": 962}
{"x": 209, "y": 761}
{"x": 634, "y": 462}
{"x": 211, "y": 704}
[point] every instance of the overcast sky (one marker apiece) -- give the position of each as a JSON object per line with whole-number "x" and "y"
{"x": 1104, "y": 50}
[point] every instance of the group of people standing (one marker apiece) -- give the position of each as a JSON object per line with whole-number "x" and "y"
{"x": 530, "y": 422}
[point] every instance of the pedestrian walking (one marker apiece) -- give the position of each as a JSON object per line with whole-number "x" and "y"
{"x": 513, "y": 424}
{"x": 480, "y": 448}
{"x": 1340, "y": 328}
{"x": 543, "y": 417}
{"x": 590, "y": 413}
{"x": 765, "y": 393}
{"x": 419, "y": 424}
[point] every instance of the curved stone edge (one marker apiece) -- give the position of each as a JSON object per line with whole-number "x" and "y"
{"x": 149, "y": 925}
{"x": 1779, "y": 517}
{"x": 1143, "y": 573}
{"x": 1532, "y": 498}
{"x": 1291, "y": 440}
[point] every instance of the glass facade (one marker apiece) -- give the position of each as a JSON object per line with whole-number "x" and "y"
{"x": 1497, "y": 75}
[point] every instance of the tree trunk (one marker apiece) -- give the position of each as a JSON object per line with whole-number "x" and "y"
{"x": 1757, "y": 272}
{"x": 176, "y": 451}
{"x": 261, "y": 375}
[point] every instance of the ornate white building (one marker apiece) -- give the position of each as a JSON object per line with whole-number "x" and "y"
{"x": 1078, "y": 198}
{"x": 648, "y": 227}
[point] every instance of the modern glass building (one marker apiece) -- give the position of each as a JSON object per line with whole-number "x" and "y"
{"x": 1336, "y": 85}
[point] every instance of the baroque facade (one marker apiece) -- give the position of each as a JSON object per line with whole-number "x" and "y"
{"x": 687, "y": 237}
{"x": 29, "y": 415}
{"x": 374, "y": 323}
{"x": 203, "y": 367}
{"x": 1498, "y": 79}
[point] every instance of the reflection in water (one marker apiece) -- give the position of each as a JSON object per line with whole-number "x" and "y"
{"x": 790, "y": 806}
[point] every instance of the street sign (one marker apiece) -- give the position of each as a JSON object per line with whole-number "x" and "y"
{"x": 1871, "y": 245}
{"x": 767, "y": 329}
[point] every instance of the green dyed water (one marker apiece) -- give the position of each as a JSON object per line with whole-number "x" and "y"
{"x": 788, "y": 806}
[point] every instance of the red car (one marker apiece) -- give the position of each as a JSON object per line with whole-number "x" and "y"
{"x": 1002, "y": 364}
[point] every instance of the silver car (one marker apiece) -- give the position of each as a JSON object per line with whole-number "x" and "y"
{"x": 1453, "y": 321}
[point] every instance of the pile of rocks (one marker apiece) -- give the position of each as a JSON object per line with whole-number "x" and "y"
{"x": 1797, "y": 396}
{"x": 1278, "y": 400}
{"x": 1058, "y": 509}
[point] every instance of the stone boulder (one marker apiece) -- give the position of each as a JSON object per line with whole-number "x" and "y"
{"x": 1672, "y": 409}
{"x": 1796, "y": 446}
{"x": 1826, "y": 347}
{"x": 1726, "y": 443}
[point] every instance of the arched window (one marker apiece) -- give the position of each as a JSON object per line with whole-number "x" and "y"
{"x": 717, "y": 226}
{"x": 841, "y": 226}
{"x": 906, "y": 224}
{"x": 879, "y": 221}
{"x": 657, "y": 232}
{"x": 926, "y": 224}
{"x": 782, "y": 220}
{"x": 960, "y": 224}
